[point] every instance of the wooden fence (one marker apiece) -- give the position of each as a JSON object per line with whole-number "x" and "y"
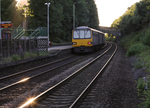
{"x": 9, "y": 47}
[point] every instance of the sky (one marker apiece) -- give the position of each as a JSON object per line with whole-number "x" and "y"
{"x": 109, "y": 10}
{"x": 21, "y": 2}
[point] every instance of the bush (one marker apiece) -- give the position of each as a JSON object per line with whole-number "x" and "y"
{"x": 136, "y": 49}
{"x": 140, "y": 85}
{"x": 112, "y": 39}
{"x": 146, "y": 103}
{"x": 146, "y": 38}
{"x": 138, "y": 65}
{"x": 146, "y": 59}
{"x": 146, "y": 93}
{"x": 15, "y": 57}
{"x": 23, "y": 55}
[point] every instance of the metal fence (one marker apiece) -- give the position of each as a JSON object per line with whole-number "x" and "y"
{"x": 9, "y": 47}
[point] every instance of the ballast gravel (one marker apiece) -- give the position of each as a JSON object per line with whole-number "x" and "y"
{"x": 117, "y": 88}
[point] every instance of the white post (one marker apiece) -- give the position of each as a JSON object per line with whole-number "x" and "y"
{"x": 48, "y": 5}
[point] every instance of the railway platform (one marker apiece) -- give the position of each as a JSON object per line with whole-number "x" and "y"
{"x": 54, "y": 50}
{"x": 60, "y": 47}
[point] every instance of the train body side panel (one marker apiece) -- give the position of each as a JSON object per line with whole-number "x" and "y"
{"x": 97, "y": 38}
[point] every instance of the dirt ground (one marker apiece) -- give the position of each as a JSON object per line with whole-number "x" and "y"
{"x": 118, "y": 88}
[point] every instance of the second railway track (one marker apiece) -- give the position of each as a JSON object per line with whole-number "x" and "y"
{"x": 69, "y": 91}
{"x": 12, "y": 86}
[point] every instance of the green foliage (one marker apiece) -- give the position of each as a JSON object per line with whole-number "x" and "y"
{"x": 134, "y": 25}
{"x": 145, "y": 93}
{"x": 61, "y": 16}
{"x": 146, "y": 103}
{"x": 138, "y": 65}
{"x": 140, "y": 85}
{"x": 22, "y": 56}
{"x": 110, "y": 37}
{"x": 145, "y": 39}
{"x": 15, "y": 57}
{"x": 130, "y": 39}
{"x": 135, "y": 18}
{"x": 136, "y": 49}
{"x": 146, "y": 59}
{"x": 7, "y": 9}
{"x": 6, "y": 60}
{"x": 27, "y": 55}
{"x": 11, "y": 13}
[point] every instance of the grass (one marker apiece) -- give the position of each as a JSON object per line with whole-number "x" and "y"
{"x": 23, "y": 56}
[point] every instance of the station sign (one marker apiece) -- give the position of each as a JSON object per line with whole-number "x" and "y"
{"x": 6, "y": 24}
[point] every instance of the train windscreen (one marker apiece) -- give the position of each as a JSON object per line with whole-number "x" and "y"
{"x": 82, "y": 34}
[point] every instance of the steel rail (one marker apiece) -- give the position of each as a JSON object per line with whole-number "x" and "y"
{"x": 34, "y": 76}
{"x": 92, "y": 82}
{"x": 29, "y": 78}
{"x": 21, "y": 72}
{"x": 38, "y": 97}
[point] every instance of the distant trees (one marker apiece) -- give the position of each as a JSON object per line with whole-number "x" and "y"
{"x": 9, "y": 12}
{"x": 7, "y": 9}
{"x": 61, "y": 16}
{"x": 135, "y": 18}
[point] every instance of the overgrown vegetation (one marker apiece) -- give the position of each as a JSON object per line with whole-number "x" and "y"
{"x": 23, "y": 56}
{"x": 134, "y": 25}
{"x": 110, "y": 37}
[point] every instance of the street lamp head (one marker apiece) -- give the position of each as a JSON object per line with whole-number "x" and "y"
{"x": 47, "y": 4}
{"x": 75, "y": 3}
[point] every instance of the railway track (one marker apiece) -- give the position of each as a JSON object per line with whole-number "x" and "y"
{"x": 16, "y": 84}
{"x": 70, "y": 91}
{"x": 19, "y": 81}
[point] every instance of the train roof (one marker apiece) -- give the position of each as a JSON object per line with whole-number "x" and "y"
{"x": 88, "y": 28}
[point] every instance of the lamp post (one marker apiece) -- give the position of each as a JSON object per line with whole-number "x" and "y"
{"x": 48, "y": 5}
{"x": 74, "y": 14}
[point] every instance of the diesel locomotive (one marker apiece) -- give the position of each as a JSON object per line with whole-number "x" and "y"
{"x": 86, "y": 39}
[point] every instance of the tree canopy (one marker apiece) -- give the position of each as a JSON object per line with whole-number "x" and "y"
{"x": 61, "y": 16}
{"x": 9, "y": 12}
{"x": 135, "y": 18}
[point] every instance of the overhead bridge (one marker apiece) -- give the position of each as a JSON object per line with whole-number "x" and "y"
{"x": 114, "y": 31}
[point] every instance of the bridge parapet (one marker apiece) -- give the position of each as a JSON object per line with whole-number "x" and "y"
{"x": 114, "y": 31}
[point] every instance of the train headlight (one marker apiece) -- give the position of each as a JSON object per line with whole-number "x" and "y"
{"x": 74, "y": 43}
{"x": 89, "y": 43}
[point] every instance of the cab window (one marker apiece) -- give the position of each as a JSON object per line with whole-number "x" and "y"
{"x": 82, "y": 34}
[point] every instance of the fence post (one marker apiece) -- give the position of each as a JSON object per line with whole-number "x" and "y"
{"x": 24, "y": 45}
{"x": 1, "y": 48}
{"x": 14, "y": 46}
{"x": 8, "y": 47}
{"x": 29, "y": 45}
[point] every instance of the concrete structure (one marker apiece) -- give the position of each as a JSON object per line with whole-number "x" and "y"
{"x": 114, "y": 31}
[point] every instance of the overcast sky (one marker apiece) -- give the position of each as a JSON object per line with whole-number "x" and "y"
{"x": 109, "y": 10}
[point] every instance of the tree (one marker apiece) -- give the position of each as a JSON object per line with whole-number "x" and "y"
{"x": 7, "y": 10}
{"x": 39, "y": 19}
{"x": 93, "y": 14}
{"x": 61, "y": 16}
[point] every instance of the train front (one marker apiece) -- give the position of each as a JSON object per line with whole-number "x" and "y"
{"x": 82, "y": 39}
